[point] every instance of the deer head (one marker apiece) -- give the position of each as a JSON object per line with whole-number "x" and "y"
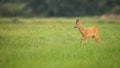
{"x": 77, "y": 24}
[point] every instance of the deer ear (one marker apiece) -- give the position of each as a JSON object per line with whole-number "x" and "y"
{"x": 77, "y": 19}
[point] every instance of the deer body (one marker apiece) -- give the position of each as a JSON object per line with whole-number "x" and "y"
{"x": 87, "y": 32}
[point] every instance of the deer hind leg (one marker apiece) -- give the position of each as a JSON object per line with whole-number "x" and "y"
{"x": 93, "y": 36}
{"x": 97, "y": 38}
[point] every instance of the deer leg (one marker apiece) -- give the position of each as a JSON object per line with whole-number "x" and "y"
{"x": 81, "y": 40}
{"x": 97, "y": 38}
{"x": 85, "y": 40}
{"x": 93, "y": 36}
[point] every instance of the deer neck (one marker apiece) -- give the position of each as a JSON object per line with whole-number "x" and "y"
{"x": 81, "y": 29}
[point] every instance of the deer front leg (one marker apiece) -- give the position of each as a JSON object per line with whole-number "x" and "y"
{"x": 86, "y": 41}
{"x": 81, "y": 40}
{"x": 85, "y": 38}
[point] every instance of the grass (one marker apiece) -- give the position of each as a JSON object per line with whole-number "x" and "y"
{"x": 54, "y": 43}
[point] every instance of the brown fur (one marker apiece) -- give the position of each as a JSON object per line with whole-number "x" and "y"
{"x": 87, "y": 32}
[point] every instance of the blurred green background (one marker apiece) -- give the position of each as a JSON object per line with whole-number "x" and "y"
{"x": 41, "y": 34}
{"x": 72, "y": 8}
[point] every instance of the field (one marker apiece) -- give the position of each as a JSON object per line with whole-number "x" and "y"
{"x": 54, "y": 43}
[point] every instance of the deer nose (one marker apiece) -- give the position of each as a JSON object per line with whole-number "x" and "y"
{"x": 74, "y": 26}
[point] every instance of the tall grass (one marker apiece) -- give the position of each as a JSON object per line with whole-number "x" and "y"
{"x": 54, "y": 43}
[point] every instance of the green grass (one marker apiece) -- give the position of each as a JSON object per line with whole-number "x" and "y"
{"x": 54, "y": 43}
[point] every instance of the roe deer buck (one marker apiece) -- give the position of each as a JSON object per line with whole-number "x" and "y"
{"x": 87, "y": 32}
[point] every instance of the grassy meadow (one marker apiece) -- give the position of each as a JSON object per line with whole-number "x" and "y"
{"x": 54, "y": 43}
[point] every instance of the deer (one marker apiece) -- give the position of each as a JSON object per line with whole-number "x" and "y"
{"x": 87, "y": 32}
